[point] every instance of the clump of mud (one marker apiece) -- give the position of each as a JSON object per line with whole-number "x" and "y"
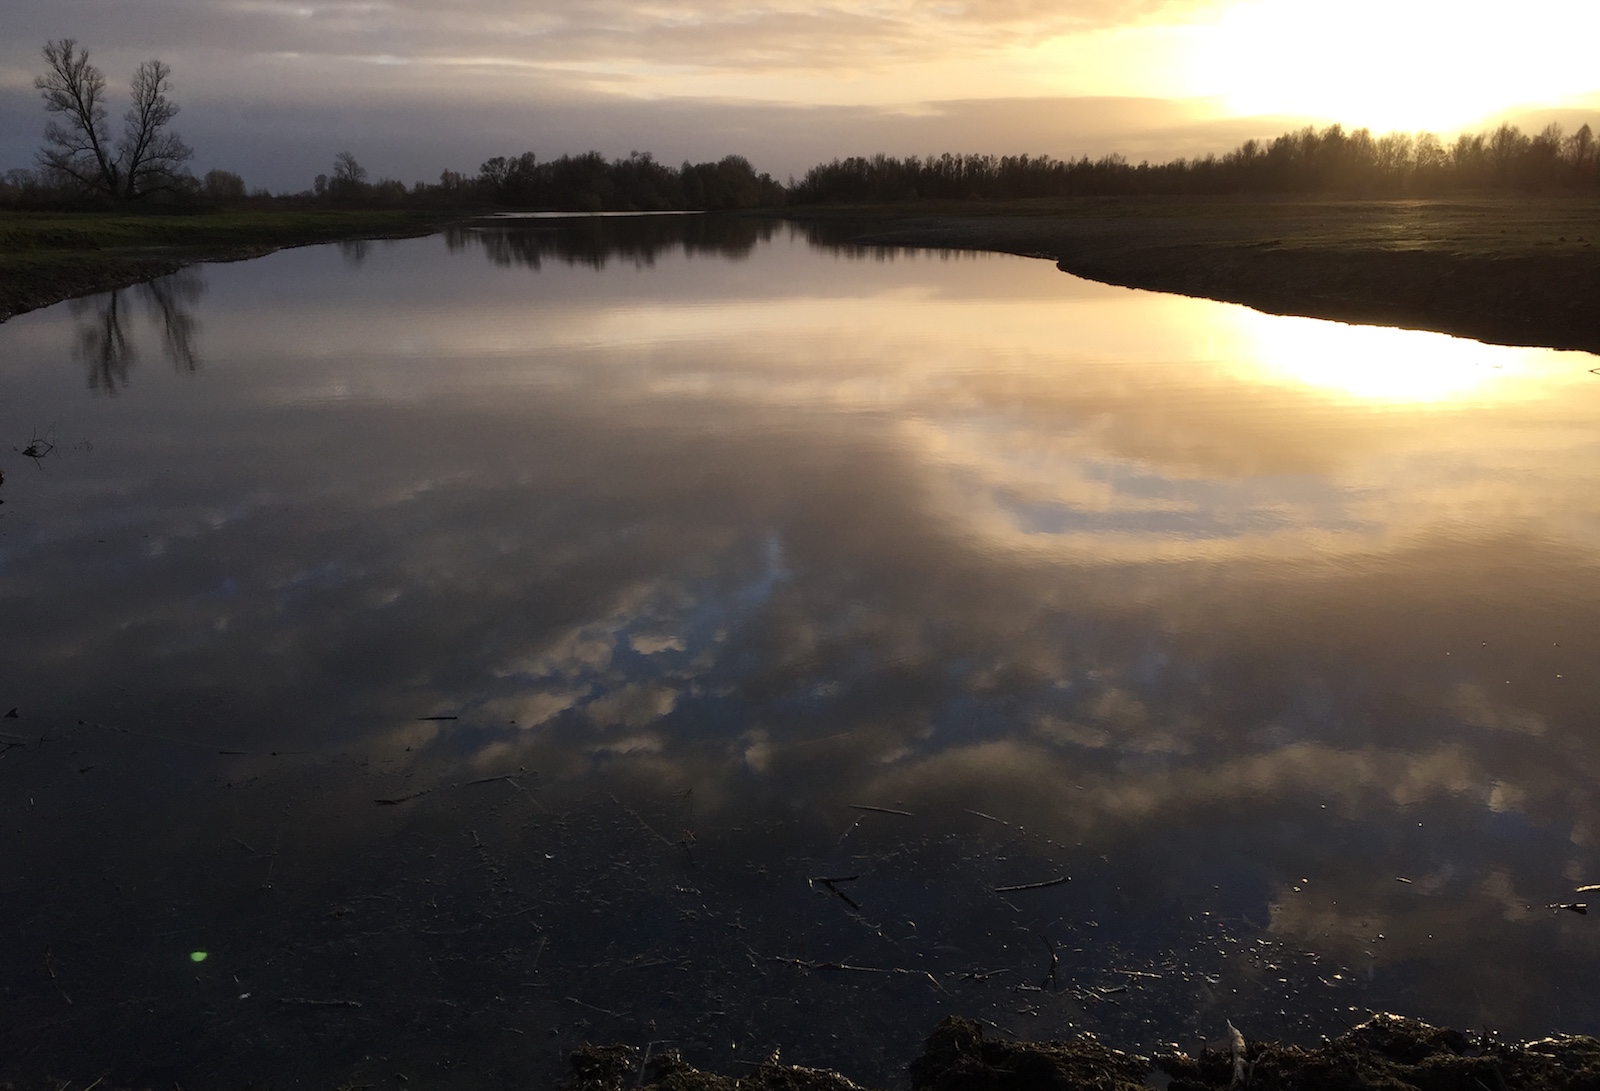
{"x": 1386, "y": 1053}
{"x": 958, "y": 1057}
{"x": 612, "y": 1068}
{"x": 1391, "y": 1052}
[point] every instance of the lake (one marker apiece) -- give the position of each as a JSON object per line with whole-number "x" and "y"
{"x": 428, "y": 656}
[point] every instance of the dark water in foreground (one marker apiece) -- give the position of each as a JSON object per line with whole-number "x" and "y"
{"x": 481, "y": 644}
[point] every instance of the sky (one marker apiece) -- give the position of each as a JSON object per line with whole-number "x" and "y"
{"x": 273, "y": 89}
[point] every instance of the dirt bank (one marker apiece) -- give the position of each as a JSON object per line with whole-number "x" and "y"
{"x": 1504, "y": 270}
{"x": 1386, "y": 1052}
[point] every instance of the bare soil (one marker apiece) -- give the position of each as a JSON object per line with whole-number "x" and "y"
{"x": 1386, "y": 1053}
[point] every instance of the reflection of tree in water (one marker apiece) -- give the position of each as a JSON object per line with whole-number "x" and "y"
{"x": 595, "y": 241}
{"x": 103, "y": 335}
{"x": 102, "y": 340}
{"x": 355, "y": 251}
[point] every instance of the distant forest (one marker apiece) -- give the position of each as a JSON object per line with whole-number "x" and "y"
{"x": 1307, "y": 162}
{"x": 588, "y": 183}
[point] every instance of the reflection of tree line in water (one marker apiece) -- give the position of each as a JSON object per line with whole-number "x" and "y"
{"x": 104, "y": 341}
{"x": 103, "y": 338}
{"x": 595, "y": 241}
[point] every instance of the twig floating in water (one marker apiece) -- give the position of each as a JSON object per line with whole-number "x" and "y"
{"x": 848, "y": 900}
{"x": 1055, "y": 963}
{"x": 308, "y": 1002}
{"x": 845, "y": 966}
{"x": 493, "y": 780}
{"x": 593, "y": 1007}
{"x": 397, "y": 800}
{"x": 425, "y": 719}
{"x": 990, "y": 817}
{"x": 1032, "y": 886}
{"x": 881, "y": 810}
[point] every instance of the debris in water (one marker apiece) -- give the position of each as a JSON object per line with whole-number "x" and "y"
{"x": 1057, "y": 881}
{"x": 397, "y": 800}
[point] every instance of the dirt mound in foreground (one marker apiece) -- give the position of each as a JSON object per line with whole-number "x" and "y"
{"x": 1387, "y": 1052}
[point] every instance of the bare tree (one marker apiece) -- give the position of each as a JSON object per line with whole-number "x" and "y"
{"x": 347, "y": 170}
{"x": 349, "y": 178}
{"x": 151, "y": 156}
{"x": 77, "y": 145}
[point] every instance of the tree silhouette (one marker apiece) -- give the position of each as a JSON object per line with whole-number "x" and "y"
{"x": 77, "y": 147}
{"x": 1334, "y": 160}
{"x": 151, "y": 155}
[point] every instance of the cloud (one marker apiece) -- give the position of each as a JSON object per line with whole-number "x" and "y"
{"x": 506, "y": 34}
{"x": 273, "y": 89}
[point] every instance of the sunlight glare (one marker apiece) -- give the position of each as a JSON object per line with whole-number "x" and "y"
{"x": 1380, "y": 363}
{"x": 1398, "y": 64}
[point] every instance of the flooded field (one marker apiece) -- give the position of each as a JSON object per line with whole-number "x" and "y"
{"x": 429, "y": 656}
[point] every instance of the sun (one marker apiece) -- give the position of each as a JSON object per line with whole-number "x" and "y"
{"x": 1398, "y": 64}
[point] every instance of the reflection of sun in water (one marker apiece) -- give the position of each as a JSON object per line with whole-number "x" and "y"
{"x": 1378, "y": 363}
{"x": 1399, "y": 64}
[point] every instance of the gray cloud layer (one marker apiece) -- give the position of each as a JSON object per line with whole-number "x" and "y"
{"x": 273, "y": 88}
{"x": 705, "y": 33}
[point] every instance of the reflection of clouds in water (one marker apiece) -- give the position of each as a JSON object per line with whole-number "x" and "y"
{"x": 1472, "y": 704}
{"x": 1142, "y": 605}
{"x": 653, "y": 643}
{"x": 632, "y": 706}
{"x": 1054, "y": 789}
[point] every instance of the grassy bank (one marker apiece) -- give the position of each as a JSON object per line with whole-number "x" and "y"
{"x": 1509, "y": 270}
{"x": 48, "y": 257}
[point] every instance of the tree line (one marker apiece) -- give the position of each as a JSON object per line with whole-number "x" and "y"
{"x": 1308, "y": 161}
{"x": 81, "y": 161}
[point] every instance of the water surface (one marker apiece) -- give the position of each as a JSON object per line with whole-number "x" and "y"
{"x": 481, "y": 644}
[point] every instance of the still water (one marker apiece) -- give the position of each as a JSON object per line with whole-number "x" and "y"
{"x": 481, "y": 644}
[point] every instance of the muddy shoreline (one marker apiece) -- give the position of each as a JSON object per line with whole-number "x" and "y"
{"x": 1387, "y": 1051}
{"x": 1500, "y": 270}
